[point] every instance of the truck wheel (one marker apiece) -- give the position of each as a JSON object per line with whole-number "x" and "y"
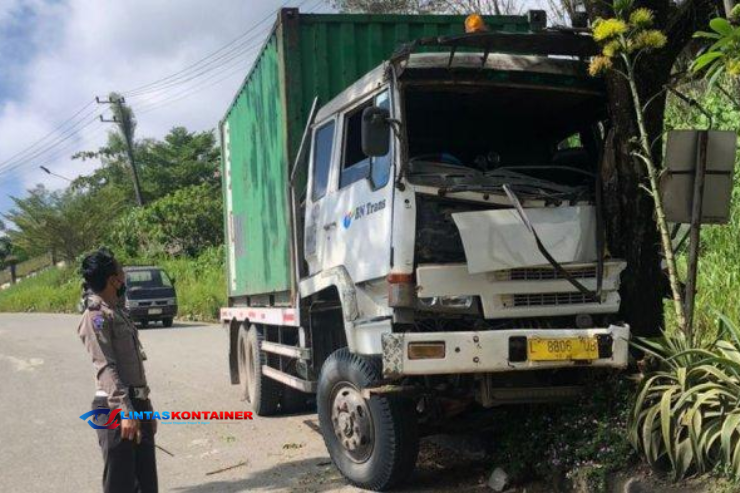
{"x": 166, "y": 322}
{"x": 144, "y": 324}
{"x": 374, "y": 443}
{"x": 261, "y": 392}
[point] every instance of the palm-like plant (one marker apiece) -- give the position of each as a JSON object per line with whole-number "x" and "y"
{"x": 723, "y": 55}
{"x": 687, "y": 412}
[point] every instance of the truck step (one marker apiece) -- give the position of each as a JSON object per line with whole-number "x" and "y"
{"x": 285, "y": 350}
{"x": 289, "y": 380}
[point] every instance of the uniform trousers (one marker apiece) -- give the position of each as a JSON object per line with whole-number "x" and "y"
{"x": 129, "y": 467}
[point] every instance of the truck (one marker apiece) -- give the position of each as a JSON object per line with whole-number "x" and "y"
{"x": 414, "y": 227}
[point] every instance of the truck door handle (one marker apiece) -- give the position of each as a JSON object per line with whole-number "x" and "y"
{"x": 329, "y": 226}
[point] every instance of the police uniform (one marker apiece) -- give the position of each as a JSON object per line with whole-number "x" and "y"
{"x": 112, "y": 340}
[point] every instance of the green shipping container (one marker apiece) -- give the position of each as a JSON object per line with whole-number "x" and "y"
{"x": 305, "y": 56}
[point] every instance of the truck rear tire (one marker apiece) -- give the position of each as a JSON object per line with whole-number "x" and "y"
{"x": 374, "y": 443}
{"x": 261, "y": 392}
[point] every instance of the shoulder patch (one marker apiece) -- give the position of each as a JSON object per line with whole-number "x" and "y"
{"x": 98, "y": 321}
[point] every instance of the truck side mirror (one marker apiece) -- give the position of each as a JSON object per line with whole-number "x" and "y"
{"x": 376, "y": 136}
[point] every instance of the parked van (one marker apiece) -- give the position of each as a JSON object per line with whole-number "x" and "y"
{"x": 150, "y": 295}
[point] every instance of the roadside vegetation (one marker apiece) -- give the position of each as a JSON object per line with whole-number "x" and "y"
{"x": 179, "y": 227}
{"x": 200, "y": 283}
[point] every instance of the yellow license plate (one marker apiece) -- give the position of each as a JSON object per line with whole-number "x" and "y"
{"x": 573, "y": 348}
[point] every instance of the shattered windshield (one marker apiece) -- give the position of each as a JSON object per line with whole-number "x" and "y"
{"x": 542, "y": 142}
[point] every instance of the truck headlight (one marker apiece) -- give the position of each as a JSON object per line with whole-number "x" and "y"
{"x": 454, "y": 302}
{"x": 428, "y": 302}
{"x": 459, "y": 302}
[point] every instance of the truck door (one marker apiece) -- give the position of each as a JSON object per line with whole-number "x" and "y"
{"x": 355, "y": 213}
{"x": 322, "y": 149}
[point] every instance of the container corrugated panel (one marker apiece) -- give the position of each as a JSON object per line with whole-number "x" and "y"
{"x": 306, "y": 56}
{"x": 257, "y": 154}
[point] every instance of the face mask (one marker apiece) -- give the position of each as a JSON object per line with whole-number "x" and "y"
{"x": 121, "y": 290}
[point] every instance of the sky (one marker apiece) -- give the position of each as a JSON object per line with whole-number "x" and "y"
{"x": 57, "y": 55}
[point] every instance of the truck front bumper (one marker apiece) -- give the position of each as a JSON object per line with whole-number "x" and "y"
{"x": 498, "y": 351}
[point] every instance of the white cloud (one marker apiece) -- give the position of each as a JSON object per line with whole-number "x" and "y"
{"x": 87, "y": 48}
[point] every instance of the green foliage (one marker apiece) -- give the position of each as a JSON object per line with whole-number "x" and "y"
{"x": 388, "y": 6}
{"x": 460, "y": 7}
{"x": 584, "y": 439}
{"x": 687, "y": 413}
{"x": 200, "y": 284}
{"x": 723, "y": 55}
{"x": 186, "y": 221}
{"x": 66, "y": 222}
{"x": 181, "y": 160}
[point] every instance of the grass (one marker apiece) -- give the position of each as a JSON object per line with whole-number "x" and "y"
{"x": 25, "y": 268}
{"x": 51, "y": 290}
{"x": 200, "y": 284}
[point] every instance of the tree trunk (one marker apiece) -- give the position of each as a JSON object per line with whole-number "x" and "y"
{"x": 631, "y": 232}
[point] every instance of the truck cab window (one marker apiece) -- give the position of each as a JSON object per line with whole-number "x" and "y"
{"x": 356, "y": 165}
{"x": 381, "y": 166}
{"x": 323, "y": 143}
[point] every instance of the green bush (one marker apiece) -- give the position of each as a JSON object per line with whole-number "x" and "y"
{"x": 186, "y": 221}
{"x": 686, "y": 417}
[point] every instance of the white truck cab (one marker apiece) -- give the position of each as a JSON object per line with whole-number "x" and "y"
{"x": 428, "y": 239}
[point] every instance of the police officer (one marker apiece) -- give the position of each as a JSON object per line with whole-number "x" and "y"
{"x": 112, "y": 341}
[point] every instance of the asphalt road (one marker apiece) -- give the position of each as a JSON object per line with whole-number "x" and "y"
{"x": 46, "y": 383}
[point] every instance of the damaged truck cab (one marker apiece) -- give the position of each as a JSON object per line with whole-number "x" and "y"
{"x": 446, "y": 243}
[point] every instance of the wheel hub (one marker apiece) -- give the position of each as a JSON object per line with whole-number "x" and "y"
{"x": 352, "y": 422}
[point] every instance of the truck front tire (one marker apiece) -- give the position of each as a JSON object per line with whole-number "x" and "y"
{"x": 374, "y": 443}
{"x": 261, "y": 392}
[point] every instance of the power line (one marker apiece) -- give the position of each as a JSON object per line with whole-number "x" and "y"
{"x": 168, "y": 102}
{"x": 243, "y": 64}
{"x": 66, "y": 135}
{"x": 271, "y": 15}
{"x": 247, "y": 45}
{"x": 52, "y": 132}
{"x": 203, "y": 72}
{"x": 223, "y": 68}
{"x": 59, "y": 152}
{"x": 198, "y": 76}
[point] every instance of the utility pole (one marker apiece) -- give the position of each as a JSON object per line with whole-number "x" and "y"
{"x": 126, "y": 126}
